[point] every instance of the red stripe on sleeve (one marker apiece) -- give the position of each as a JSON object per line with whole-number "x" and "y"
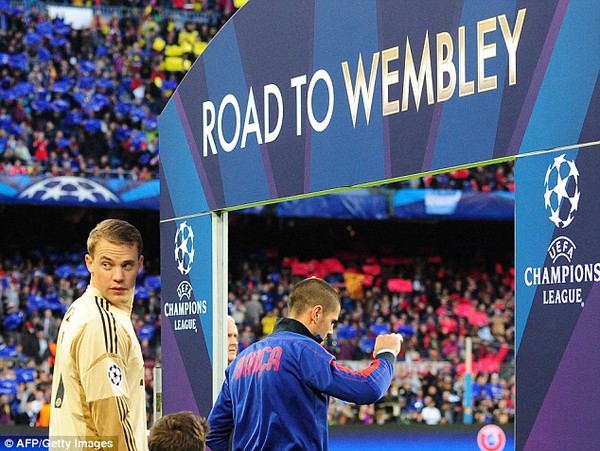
{"x": 363, "y": 373}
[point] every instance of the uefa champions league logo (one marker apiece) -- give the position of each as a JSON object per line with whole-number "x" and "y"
{"x": 69, "y": 187}
{"x": 184, "y": 248}
{"x": 562, "y": 191}
{"x": 184, "y": 290}
{"x": 115, "y": 375}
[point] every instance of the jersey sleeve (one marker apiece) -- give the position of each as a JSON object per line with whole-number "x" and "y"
{"x": 101, "y": 366}
{"x": 101, "y": 355}
{"x": 220, "y": 420}
{"x": 112, "y": 419}
{"x": 360, "y": 387}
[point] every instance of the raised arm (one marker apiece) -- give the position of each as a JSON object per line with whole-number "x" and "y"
{"x": 361, "y": 387}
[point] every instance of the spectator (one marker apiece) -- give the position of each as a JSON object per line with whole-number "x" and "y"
{"x": 254, "y": 311}
{"x": 430, "y": 414}
{"x": 22, "y": 152}
{"x": 5, "y": 411}
{"x": 232, "y": 339}
{"x": 268, "y": 321}
{"x": 493, "y": 389}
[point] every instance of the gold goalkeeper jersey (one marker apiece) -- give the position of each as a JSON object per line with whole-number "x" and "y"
{"x": 98, "y": 392}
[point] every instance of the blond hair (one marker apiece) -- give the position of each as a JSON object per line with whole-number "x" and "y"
{"x": 115, "y": 231}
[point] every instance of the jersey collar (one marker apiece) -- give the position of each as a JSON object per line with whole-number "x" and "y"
{"x": 292, "y": 325}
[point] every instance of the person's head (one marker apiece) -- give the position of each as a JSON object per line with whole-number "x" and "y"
{"x": 181, "y": 431}
{"x": 315, "y": 304}
{"x": 114, "y": 260}
{"x": 232, "y": 339}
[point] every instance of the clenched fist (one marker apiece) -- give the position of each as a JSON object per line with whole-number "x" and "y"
{"x": 391, "y": 342}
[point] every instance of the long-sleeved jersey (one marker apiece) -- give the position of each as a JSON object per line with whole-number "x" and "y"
{"x": 276, "y": 393}
{"x": 98, "y": 383}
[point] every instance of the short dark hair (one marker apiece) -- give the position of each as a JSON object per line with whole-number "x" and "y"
{"x": 310, "y": 292}
{"x": 181, "y": 431}
{"x": 115, "y": 231}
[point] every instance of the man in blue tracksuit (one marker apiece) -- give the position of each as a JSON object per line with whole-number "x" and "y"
{"x": 276, "y": 393}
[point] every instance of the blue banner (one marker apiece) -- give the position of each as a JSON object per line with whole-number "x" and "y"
{"x": 80, "y": 191}
{"x": 558, "y": 300}
{"x": 366, "y": 91}
{"x": 357, "y": 204}
{"x": 453, "y": 204}
{"x": 187, "y": 312}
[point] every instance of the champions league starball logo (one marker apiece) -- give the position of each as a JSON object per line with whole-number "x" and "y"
{"x": 184, "y": 315}
{"x": 184, "y": 248}
{"x": 68, "y": 187}
{"x": 115, "y": 374}
{"x": 563, "y": 276}
{"x": 562, "y": 191}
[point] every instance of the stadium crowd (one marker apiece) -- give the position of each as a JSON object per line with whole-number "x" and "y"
{"x": 433, "y": 301}
{"x": 85, "y": 102}
{"x": 489, "y": 178}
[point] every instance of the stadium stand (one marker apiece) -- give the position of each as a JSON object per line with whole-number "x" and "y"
{"x": 85, "y": 100}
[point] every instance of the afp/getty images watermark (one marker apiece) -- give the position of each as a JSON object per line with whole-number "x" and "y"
{"x": 37, "y": 443}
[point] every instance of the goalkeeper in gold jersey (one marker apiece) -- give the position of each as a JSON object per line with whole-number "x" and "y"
{"x": 98, "y": 395}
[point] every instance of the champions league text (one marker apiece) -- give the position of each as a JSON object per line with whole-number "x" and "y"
{"x": 559, "y": 275}
{"x": 438, "y": 80}
{"x": 189, "y": 309}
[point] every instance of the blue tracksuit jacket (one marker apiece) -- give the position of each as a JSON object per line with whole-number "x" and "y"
{"x": 276, "y": 393}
